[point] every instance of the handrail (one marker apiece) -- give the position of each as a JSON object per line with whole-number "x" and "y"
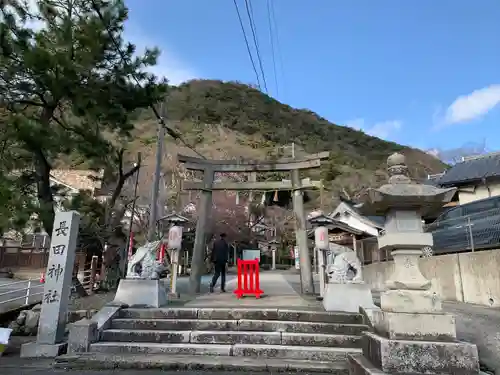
{"x": 26, "y": 301}
{"x": 16, "y": 282}
{"x": 19, "y": 290}
{"x": 28, "y": 291}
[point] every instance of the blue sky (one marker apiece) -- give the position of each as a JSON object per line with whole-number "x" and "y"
{"x": 420, "y": 72}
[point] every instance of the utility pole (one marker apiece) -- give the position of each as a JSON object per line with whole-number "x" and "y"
{"x": 153, "y": 217}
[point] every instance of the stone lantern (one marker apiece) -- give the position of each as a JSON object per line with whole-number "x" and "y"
{"x": 411, "y": 332}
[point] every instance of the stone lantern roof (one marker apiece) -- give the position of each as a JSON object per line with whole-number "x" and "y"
{"x": 174, "y": 218}
{"x": 402, "y": 193}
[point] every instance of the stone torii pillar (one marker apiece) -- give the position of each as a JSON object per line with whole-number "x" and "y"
{"x": 209, "y": 167}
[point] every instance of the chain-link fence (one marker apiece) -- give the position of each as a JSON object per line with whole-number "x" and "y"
{"x": 478, "y": 231}
{"x": 475, "y": 232}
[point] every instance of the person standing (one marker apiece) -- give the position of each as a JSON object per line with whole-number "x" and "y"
{"x": 220, "y": 256}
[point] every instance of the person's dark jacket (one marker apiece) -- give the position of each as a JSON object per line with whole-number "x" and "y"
{"x": 220, "y": 251}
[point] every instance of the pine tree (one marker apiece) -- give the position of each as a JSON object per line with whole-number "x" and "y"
{"x": 68, "y": 80}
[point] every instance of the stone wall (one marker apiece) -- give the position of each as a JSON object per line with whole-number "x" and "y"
{"x": 26, "y": 324}
{"x": 467, "y": 277}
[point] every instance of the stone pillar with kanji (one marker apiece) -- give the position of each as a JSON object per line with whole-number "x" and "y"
{"x": 57, "y": 288}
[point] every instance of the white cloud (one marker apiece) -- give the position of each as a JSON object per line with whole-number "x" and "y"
{"x": 383, "y": 129}
{"x": 168, "y": 65}
{"x": 469, "y": 107}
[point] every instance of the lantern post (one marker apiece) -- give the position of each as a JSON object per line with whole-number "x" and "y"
{"x": 172, "y": 236}
{"x": 321, "y": 246}
{"x": 274, "y": 247}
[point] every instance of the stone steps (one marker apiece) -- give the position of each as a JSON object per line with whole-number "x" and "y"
{"x": 238, "y": 325}
{"x": 103, "y": 361}
{"x": 239, "y": 314}
{"x": 231, "y": 337}
{"x": 309, "y": 353}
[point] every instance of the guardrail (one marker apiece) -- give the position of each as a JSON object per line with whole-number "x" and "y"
{"x": 25, "y": 292}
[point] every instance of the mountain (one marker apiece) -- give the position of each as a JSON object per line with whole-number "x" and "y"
{"x": 228, "y": 120}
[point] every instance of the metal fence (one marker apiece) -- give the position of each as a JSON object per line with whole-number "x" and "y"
{"x": 17, "y": 294}
{"x": 475, "y": 232}
{"x": 468, "y": 233}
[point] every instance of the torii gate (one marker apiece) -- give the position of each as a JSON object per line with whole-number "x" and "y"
{"x": 209, "y": 167}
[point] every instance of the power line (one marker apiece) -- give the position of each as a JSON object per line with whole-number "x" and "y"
{"x": 254, "y": 34}
{"x": 273, "y": 54}
{"x": 172, "y": 132}
{"x": 252, "y": 23}
{"x": 278, "y": 49}
{"x": 247, "y": 44}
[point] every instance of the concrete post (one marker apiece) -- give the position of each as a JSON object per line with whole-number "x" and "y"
{"x": 57, "y": 288}
{"x": 175, "y": 270}
{"x": 322, "y": 271}
{"x": 274, "y": 258}
{"x": 301, "y": 236}
{"x": 205, "y": 208}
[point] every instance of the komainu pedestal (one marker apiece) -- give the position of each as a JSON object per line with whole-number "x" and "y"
{"x": 141, "y": 293}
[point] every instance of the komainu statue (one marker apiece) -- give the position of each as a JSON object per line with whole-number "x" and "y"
{"x": 345, "y": 290}
{"x": 345, "y": 267}
{"x": 143, "y": 264}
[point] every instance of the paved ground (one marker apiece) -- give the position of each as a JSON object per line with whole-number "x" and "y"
{"x": 278, "y": 292}
{"x": 481, "y": 326}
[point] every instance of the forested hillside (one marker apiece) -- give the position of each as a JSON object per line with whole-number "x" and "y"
{"x": 230, "y": 119}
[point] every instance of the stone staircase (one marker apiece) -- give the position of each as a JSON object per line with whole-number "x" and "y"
{"x": 230, "y": 338}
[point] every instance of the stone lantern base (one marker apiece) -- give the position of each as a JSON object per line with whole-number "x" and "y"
{"x": 385, "y": 356}
{"x": 413, "y": 343}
